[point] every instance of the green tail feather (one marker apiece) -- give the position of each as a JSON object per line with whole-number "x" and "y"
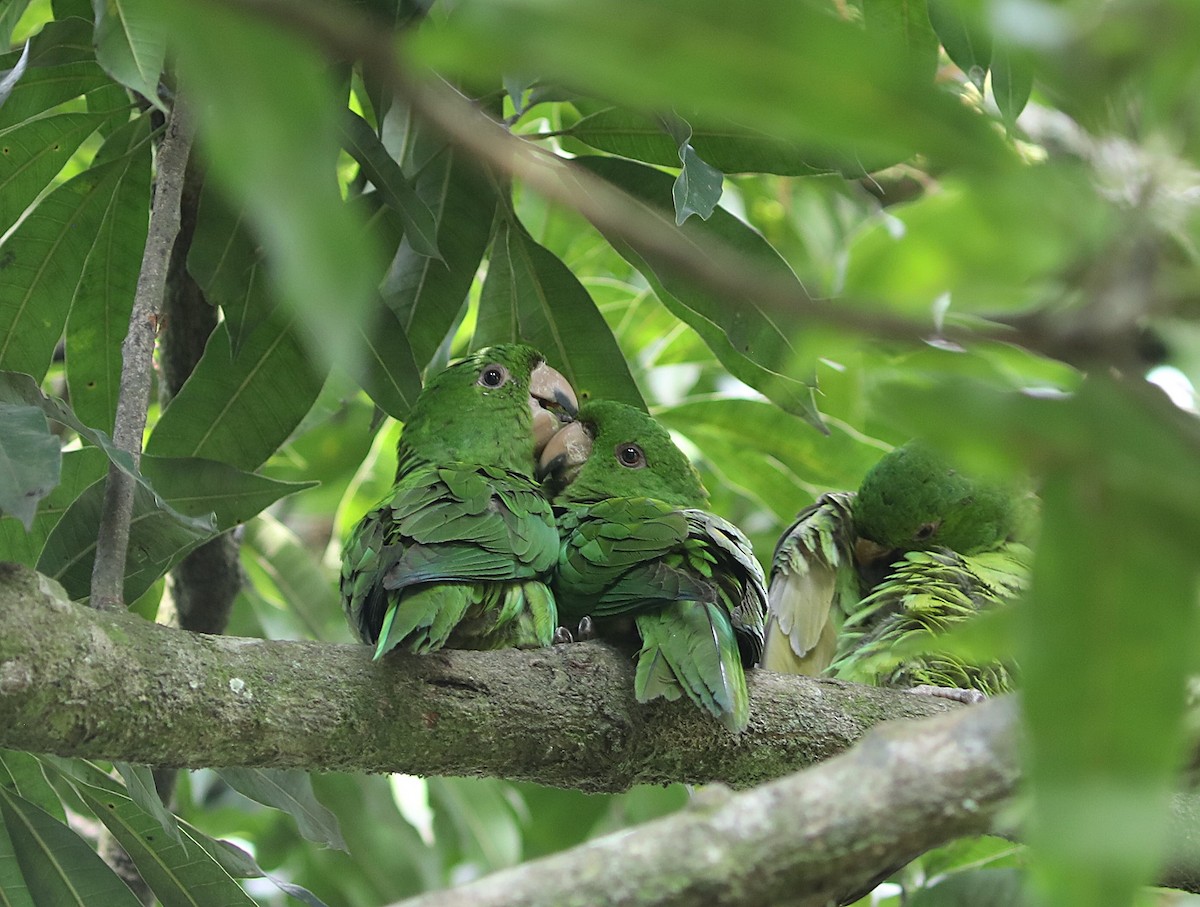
{"x": 690, "y": 647}
{"x": 424, "y": 618}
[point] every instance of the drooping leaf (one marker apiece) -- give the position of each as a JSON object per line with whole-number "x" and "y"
{"x": 140, "y": 786}
{"x": 427, "y": 294}
{"x": 22, "y": 772}
{"x": 57, "y": 866}
{"x": 241, "y": 865}
{"x": 240, "y": 409}
{"x": 30, "y": 461}
{"x": 270, "y": 126}
{"x": 99, "y": 317}
{"x": 80, "y": 468}
{"x": 698, "y": 187}
{"x": 290, "y": 791}
{"x": 131, "y": 45}
{"x": 197, "y": 487}
{"x": 530, "y": 295}
{"x": 389, "y": 373}
{"x": 750, "y": 342}
{"x": 159, "y": 537}
{"x": 1012, "y": 81}
{"x": 966, "y": 43}
{"x": 381, "y": 169}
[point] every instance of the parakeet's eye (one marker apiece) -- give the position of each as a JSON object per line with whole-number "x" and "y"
{"x": 630, "y": 455}
{"x": 493, "y": 375}
{"x": 926, "y": 530}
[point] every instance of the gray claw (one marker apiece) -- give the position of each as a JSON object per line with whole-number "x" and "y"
{"x": 955, "y": 694}
{"x": 586, "y": 629}
{"x": 561, "y": 636}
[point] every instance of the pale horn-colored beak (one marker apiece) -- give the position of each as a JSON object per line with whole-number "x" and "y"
{"x": 552, "y": 402}
{"x": 564, "y": 456}
{"x": 867, "y": 552}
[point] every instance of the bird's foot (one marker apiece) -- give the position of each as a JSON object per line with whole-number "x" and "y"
{"x": 561, "y": 636}
{"x": 586, "y": 629}
{"x": 955, "y": 694}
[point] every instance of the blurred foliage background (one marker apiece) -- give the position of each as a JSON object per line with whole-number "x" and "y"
{"x": 973, "y": 220}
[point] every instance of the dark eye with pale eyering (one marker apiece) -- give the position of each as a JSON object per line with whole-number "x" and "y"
{"x": 631, "y": 456}
{"x": 493, "y": 375}
{"x": 925, "y": 531}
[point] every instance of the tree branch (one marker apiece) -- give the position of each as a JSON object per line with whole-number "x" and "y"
{"x": 137, "y": 357}
{"x": 110, "y": 685}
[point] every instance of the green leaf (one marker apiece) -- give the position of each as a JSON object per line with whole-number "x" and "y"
{"x": 139, "y": 784}
{"x": 58, "y": 866}
{"x": 99, "y": 318}
{"x": 965, "y": 42}
{"x": 13, "y": 890}
{"x": 131, "y": 44}
{"x": 381, "y": 169}
{"x": 390, "y": 375}
{"x": 9, "y": 17}
{"x": 698, "y": 187}
{"x": 530, "y": 295}
{"x": 240, "y": 409}
{"x": 752, "y": 344}
{"x": 1012, "y": 82}
{"x": 241, "y": 865}
{"x": 270, "y": 125}
{"x": 906, "y": 24}
{"x": 80, "y": 468}
{"x": 729, "y": 147}
{"x": 227, "y": 263}
{"x": 426, "y": 294}
{"x": 35, "y": 152}
{"x": 179, "y": 872}
{"x": 306, "y": 587}
{"x": 290, "y": 791}
{"x": 1003, "y": 887}
{"x": 159, "y": 537}
{"x": 197, "y": 487}
{"x": 30, "y": 460}
{"x": 22, "y": 773}
{"x": 44, "y": 87}
{"x": 43, "y": 264}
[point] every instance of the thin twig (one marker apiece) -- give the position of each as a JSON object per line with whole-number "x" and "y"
{"x": 137, "y": 355}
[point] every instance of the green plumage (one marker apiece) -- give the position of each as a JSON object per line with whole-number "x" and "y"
{"x": 459, "y": 552}
{"x": 942, "y": 546}
{"x": 637, "y": 543}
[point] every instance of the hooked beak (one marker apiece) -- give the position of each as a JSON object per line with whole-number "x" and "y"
{"x": 564, "y": 456}
{"x": 552, "y": 402}
{"x": 867, "y": 552}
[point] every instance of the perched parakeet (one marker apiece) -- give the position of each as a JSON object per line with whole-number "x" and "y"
{"x": 460, "y": 552}
{"x": 921, "y": 546}
{"x": 639, "y": 549}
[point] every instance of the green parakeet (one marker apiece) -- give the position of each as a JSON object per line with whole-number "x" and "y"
{"x": 921, "y": 546}
{"x": 460, "y": 551}
{"x": 640, "y": 552}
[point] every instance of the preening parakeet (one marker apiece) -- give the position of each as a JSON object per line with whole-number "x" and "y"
{"x": 639, "y": 548}
{"x": 921, "y": 546}
{"x": 460, "y": 552}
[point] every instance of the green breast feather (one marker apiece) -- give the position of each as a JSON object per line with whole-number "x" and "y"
{"x": 461, "y": 550}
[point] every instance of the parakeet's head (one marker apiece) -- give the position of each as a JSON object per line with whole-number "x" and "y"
{"x": 614, "y": 450}
{"x": 915, "y": 499}
{"x": 498, "y": 406}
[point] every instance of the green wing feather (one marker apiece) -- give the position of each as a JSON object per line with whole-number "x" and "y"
{"x": 814, "y": 583}
{"x": 924, "y": 595}
{"x": 692, "y": 585}
{"x": 456, "y": 555}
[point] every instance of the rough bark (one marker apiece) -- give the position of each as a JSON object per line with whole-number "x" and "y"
{"x": 77, "y": 682}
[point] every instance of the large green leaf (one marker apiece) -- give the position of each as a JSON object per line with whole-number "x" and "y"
{"x": 99, "y": 317}
{"x": 44, "y": 87}
{"x": 292, "y": 792}
{"x": 131, "y": 44}
{"x": 143, "y": 790}
{"x": 389, "y": 373}
{"x": 907, "y": 23}
{"x": 427, "y": 294}
{"x": 728, "y": 147}
{"x": 530, "y": 295}
{"x": 240, "y": 409}
{"x": 966, "y": 43}
{"x": 13, "y": 890}
{"x": 9, "y": 16}
{"x": 22, "y": 773}
{"x": 57, "y": 866}
{"x": 179, "y": 872}
{"x": 269, "y": 125}
{"x": 35, "y": 152}
{"x": 754, "y": 345}
{"x": 80, "y": 468}
{"x": 792, "y": 69}
{"x": 159, "y": 537}
{"x": 30, "y": 460}
{"x": 381, "y": 169}
{"x": 197, "y": 487}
